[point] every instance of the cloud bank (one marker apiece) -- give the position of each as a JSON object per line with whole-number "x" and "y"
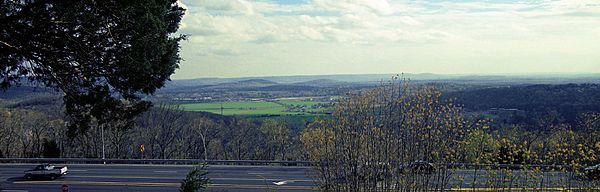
{"x": 232, "y": 38}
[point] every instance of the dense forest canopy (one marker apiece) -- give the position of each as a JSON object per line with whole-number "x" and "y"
{"x": 568, "y": 100}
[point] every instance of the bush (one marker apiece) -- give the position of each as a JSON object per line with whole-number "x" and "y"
{"x": 195, "y": 180}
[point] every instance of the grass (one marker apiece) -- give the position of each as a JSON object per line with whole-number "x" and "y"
{"x": 253, "y": 108}
{"x": 307, "y": 103}
{"x": 237, "y": 108}
{"x": 261, "y": 110}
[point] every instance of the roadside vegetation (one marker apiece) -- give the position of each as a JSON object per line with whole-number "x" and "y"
{"x": 401, "y": 138}
{"x": 196, "y": 180}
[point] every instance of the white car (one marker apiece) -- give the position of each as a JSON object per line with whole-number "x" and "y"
{"x": 46, "y": 171}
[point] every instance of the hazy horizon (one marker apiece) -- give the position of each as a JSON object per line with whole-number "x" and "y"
{"x": 239, "y": 38}
{"x": 400, "y": 74}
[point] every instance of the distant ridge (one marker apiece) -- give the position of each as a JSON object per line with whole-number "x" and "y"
{"x": 257, "y": 81}
{"x": 306, "y": 81}
{"x": 321, "y": 83}
{"x": 244, "y": 84}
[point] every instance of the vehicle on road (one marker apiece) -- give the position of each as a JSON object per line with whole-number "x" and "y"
{"x": 592, "y": 173}
{"x": 46, "y": 171}
{"x": 418, "y": 167}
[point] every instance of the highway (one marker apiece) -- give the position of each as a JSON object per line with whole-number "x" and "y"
{"x": 158, "y": 178}
{"x": 144, "y": 177}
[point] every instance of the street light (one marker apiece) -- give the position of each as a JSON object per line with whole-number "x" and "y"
{"x": 102, "y": 133}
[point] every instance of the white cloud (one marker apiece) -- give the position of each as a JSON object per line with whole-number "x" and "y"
{"x": 311, "y": 33}
{"x": 226, "y": 6}
{"x": 241, "y": 29}
{"x": 380, "y": 7}
{"x": 219, "y": 51}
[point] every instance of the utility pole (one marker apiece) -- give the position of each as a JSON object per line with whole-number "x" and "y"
{"x": 103, "y": 156}
{"x": 221, "y": 108}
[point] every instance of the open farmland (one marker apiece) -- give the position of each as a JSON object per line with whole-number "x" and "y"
{"x": 256, "y": 108}
{"x": 307, "y": 103}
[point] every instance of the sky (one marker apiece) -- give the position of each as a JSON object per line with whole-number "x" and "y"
{"x": 241, "y": 38}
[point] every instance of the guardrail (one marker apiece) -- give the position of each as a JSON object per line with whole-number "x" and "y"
{"x": 510, "y": 166}
{"x": 255, "y": 162}
{"x": 153, "y": 161}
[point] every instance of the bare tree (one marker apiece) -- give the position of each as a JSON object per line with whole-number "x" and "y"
{"x": 243, "y": 135}
{"x": 160, "y": 129}
{"x": 277, "y": 138}
{"x": 373, "y": 137}
{"x": 204, "y": 128}
{"x": 119, "y": 138}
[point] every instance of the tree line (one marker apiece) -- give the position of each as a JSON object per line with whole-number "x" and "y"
{"x": 568, "y": 100}
{"x": 166, "y": 131}
{"x": 393, "y": 137}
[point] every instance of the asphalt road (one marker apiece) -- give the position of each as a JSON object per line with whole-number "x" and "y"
{"x": 158, "y": 178}
{"x": 241, "y": 178}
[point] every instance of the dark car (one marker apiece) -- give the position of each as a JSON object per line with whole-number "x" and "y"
{"x": 418, "y": 167}
{"x": 592, "y": 173}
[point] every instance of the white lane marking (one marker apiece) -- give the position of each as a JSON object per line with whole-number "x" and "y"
{"x": 157, "y": 165}
{"x": 212, "y": 178}
{"x": 233, "y": 186}
{"x": 77, "y": 170}
{"x": 117, "y": 177}
{"x": 257, "y": 173}
{"x": 15, "y": 191}
{"x": 106, "y": 183}
{"x": 165, "y": 171}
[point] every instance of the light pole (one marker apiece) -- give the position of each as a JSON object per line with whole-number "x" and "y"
{"x": 102, "y": 133}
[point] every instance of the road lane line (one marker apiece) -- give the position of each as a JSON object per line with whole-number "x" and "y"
{"x": 234, "y": 186}
{"x": 170, "y": 178}
{"x": 136, "y": 184}
{"x": 165, "y": 171}
{"x": 102, "y": 183}
{"x": 120, "y": 177}
{"x": 559, "y": 189}
{"x": 258, "y": 173}
{"x": 14, "y": 191}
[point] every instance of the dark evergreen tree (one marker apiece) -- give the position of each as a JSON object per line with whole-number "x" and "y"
{"x": 195, "y": 180}
{"x": 102, "y": 55}
{"x": 50, "y": 149}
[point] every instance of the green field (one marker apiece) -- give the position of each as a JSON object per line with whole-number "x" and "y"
{"x": 307, "y": 103}
{"x": 251, "y": 107}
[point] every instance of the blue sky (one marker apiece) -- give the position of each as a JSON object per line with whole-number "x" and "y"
{"x": 236, "y": 38}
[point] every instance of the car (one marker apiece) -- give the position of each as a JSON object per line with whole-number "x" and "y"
{"x": 418, "y": 167}
{"x": 46, "y": 171}
{"x": 592, "y": 173}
